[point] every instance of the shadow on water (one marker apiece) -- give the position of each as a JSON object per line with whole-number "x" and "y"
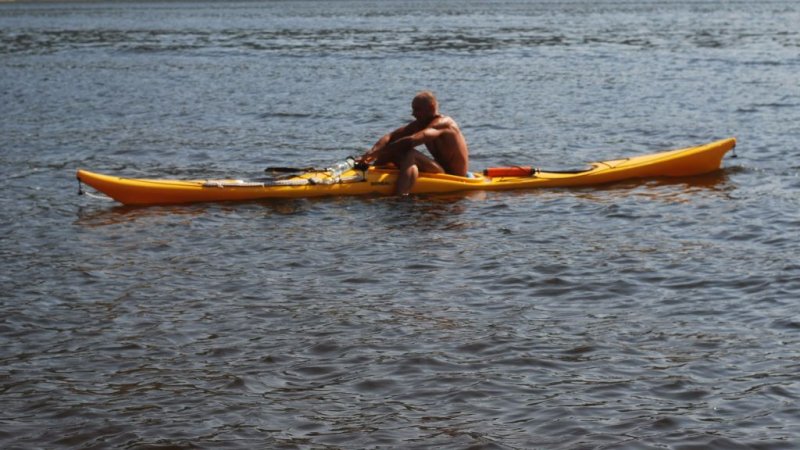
{"x": 426, "y": 212}
{"x": 118, "y": 214}
{"x": 124, "y": 214}
{"x": 668, "y": 189}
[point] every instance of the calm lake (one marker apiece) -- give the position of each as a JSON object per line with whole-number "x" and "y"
{"x": 647, "y": 314}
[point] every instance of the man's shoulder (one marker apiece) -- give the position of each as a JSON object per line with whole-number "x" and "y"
{"x": 443, "y": 122}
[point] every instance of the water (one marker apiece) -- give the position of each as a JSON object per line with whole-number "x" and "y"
{"x": 645, "y": 314}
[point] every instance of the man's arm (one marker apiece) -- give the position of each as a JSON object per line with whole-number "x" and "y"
{"x": 421, "y": 137}
{"x": 384, "y": 141}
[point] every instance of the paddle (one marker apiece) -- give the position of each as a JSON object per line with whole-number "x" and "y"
{"x": 290, "y": 169}
{"x": 340, "y": 167}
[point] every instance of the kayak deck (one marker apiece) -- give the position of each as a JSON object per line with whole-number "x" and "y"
{"x": 138, "y": 191}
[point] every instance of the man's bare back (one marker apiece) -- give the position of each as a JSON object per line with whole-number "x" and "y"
{"x": 450, "y": 148}
{"x": 441, "y": 136}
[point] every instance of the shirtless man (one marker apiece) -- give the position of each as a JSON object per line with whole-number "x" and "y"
{"x": 439, "y": 133}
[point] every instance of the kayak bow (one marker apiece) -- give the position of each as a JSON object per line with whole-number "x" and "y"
{"x": 347, "y": 180}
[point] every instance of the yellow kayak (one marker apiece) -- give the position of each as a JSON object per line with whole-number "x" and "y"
{"x": 354, "y": 181}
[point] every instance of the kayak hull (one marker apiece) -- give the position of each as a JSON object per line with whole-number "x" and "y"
{"x": 376, "y": 181}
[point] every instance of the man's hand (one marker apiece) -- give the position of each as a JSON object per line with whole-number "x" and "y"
{"x": 366, "y": 159}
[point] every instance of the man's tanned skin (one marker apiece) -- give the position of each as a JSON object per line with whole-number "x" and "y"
{"x": 439, "y": 133}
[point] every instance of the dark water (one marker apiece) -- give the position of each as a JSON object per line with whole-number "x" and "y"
{"x": 648, "y": 314}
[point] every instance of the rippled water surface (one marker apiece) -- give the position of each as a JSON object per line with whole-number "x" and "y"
{"x": 646, "y": 314}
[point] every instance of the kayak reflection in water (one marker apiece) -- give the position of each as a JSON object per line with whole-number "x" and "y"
{"x": 439, "y": 133}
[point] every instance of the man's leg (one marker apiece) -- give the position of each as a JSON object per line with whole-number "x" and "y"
{"x": 410, "y": 162}
{"x": 410, "y": 165}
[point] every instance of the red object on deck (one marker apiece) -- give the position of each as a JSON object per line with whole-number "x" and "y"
{"x": 516, "y": 171}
